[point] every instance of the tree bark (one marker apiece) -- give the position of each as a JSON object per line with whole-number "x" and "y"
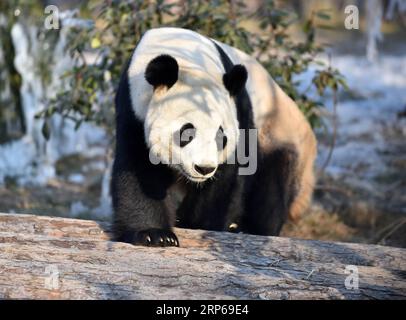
{"x": 57, "y": 258}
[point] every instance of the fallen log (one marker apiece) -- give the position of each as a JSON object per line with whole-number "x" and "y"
{"x": 58, "y": 258}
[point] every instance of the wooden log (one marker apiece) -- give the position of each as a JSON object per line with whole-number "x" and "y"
{"x": 57, "y": 258}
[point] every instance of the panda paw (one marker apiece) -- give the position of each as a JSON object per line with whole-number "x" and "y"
{"x": 153, "y": 238}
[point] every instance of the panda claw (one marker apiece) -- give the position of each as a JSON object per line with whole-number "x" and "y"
{"x": 153, "y": 237}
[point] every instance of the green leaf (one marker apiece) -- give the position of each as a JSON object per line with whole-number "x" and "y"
{"x": 95, "y": 43}
{"x": 323, "y": 15}
{"x": 344, "y": 84}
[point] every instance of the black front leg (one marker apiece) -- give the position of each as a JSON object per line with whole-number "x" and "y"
{"x": 139, "y": 218}
{"x": 138, "y": 187}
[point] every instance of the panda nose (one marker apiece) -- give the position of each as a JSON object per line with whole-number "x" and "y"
{"x": 204, "y": 170}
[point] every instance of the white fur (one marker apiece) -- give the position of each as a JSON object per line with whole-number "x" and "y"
{"x": 207, "y": 108}
{"x": 196, "y": 55}
{"x": 198, "y": 97}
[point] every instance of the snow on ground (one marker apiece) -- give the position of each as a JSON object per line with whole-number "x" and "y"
{"x": 368, "y": 126}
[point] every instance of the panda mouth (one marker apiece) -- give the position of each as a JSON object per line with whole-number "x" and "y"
{"x": 192, "y": 178}
{"x": 196, "y": 179}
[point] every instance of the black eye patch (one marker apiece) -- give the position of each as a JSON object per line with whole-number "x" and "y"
{"x": 221, "y": 139}
{"x": 185, "y": 135}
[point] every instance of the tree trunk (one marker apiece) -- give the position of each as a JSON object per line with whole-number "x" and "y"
{"x": 56, "y": 258}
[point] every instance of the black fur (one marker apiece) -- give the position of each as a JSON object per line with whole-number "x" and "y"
{"x": 258, "y": 203}
{"x": 162, "y": 71}
{"x": 137, "y": 185}
{"x": 234, "y": 80}
{"x": 243, "y": 103}
{"x": 272, "y": 192}
{"x": 269, "y": 193}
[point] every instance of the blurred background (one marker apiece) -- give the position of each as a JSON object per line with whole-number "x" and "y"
{"x": 343, "y": 62}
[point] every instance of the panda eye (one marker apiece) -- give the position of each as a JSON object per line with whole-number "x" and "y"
{"x": 185, "y": 135}
{"x": 221, "y": 139}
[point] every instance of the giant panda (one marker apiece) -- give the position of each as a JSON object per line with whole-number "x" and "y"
{"x": 190, "y": 101}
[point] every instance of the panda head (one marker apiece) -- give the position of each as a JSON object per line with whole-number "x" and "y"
{"x": 191, "y": 123}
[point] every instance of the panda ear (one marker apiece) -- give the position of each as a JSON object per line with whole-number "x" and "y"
{"x": 235, "y": 79}
{"x": 162, "y": 71}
